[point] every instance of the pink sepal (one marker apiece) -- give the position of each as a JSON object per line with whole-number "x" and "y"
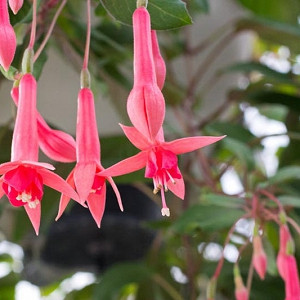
{"x": 96, "y": 204}
{"x": 57, "y": 183}
{"x": 135, "y": 137}
{"x": 34, "y": 215}
{"x": 127, "y": 165}
{"x": 189, "y": 144}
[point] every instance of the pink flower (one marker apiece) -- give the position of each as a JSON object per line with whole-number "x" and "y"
{"x": 159, "y": 63}
{"x": 85, "y": 176}
{"x": 160, "y": 159}
{"x": 259, "y": 257}
{"x": 15, "y": 5}
{"x": 287, "y": 265}
{"x": 56, "y": 144}
{"x": 8, "y": 42}
{"x": 23, "y": 178}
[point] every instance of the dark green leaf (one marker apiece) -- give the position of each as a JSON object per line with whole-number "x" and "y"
{"x": 222, "y": 200}
{"x": 276, "y": 32}
{"x": 235, "y": 131}
{"x": 282, "y": 10}
{"x": 283, "y": 175}
{"x": 207, "y": 218}
{"x": 241, "y": 150}
{"x": 292, "y": 102}
{"x": 263, "y": 69}
{"x": 118, "y": 276}
{"x": 290, "y": 200}
{"x": 165, "y": 14}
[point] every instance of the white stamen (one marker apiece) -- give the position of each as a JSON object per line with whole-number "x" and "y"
{"x": 33, "y": 204}
{"x": 24, "y": 197}
{"x": 165, "y": 211}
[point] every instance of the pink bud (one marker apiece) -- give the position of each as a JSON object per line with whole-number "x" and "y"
{"x": 241, "y": 293}
{"x": 8, "y": 40}
{"x": 15, "y": 5}
{"x": 159, "y": 63}
{"x": 259, "y": 257}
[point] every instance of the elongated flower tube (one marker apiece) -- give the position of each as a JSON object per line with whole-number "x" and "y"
{"x": 56, "y": 144}
{"x": 23, "y": 178}
{"x": 85, "y": 177}
{"x": 145, "y": 104}
{"x": 15, "y": 5}
{"x": 8, "y": 40}
{"x": 160, "y": 159}
{"x": 159, "y": 63}
{"x": 287, "y": 265}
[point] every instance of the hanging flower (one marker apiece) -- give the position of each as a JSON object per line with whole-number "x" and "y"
{"x": 85, "y": 177}
{"x": 23, "y": 178}
{"x": 241, "y": 293}
{"x": 8, "y": 40}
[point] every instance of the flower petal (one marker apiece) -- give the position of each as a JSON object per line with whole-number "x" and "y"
{"x": 178, "y": 188}
{"x": 117, "y": 193}
{"x": 84, "y": 175}
{"x": 135, "y": 137}
{"x": 57, "y": 183}
{"x": 64, "y": 200}
{"x": 1, "y": 188}
{"x": 190, "y": 143}
{"x": 127, "y": 165}
{"x": 96, "y": 204}
{"x": 5, "y": 167}
{"x": 34, "y": 215}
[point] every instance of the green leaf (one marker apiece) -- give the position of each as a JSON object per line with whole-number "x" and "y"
{"x": 276, "y": 32}
{"x": 290, "y": 101}
{"x": 165, "y": 14}
{"x": 283, "y": 175}
{"x": 241, "y": 150}
{"x": 282, "y": 10}
{"x": 263, "y": 69}
{"x": 289, "y": 200}
{"x": 235, "y": 131}
{"x": 119, "y": 276}
{"x": 222, "y": 200}
{"x": 207, "y": 218}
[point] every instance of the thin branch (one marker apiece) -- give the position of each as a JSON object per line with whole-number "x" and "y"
{"x": 33, "y": 25}
{"x": 294, "y": 224}
{"x": 167, "y": 287}
{"x": 43, "y": 44}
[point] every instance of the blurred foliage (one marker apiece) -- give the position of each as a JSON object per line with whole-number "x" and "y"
{"x": 178, "y": 264}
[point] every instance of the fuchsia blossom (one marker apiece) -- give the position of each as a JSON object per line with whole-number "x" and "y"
{"x": 85, "y": 176}
{"x": 287, "y": 264}
{"x": 259, "y": 257}
{"x": 56, "y": 144}
{"x": 15, "y": 5}
{"x": 146, "y": 110}
{"x": 23, "y": 178}
{"x": 8, "y": 41}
